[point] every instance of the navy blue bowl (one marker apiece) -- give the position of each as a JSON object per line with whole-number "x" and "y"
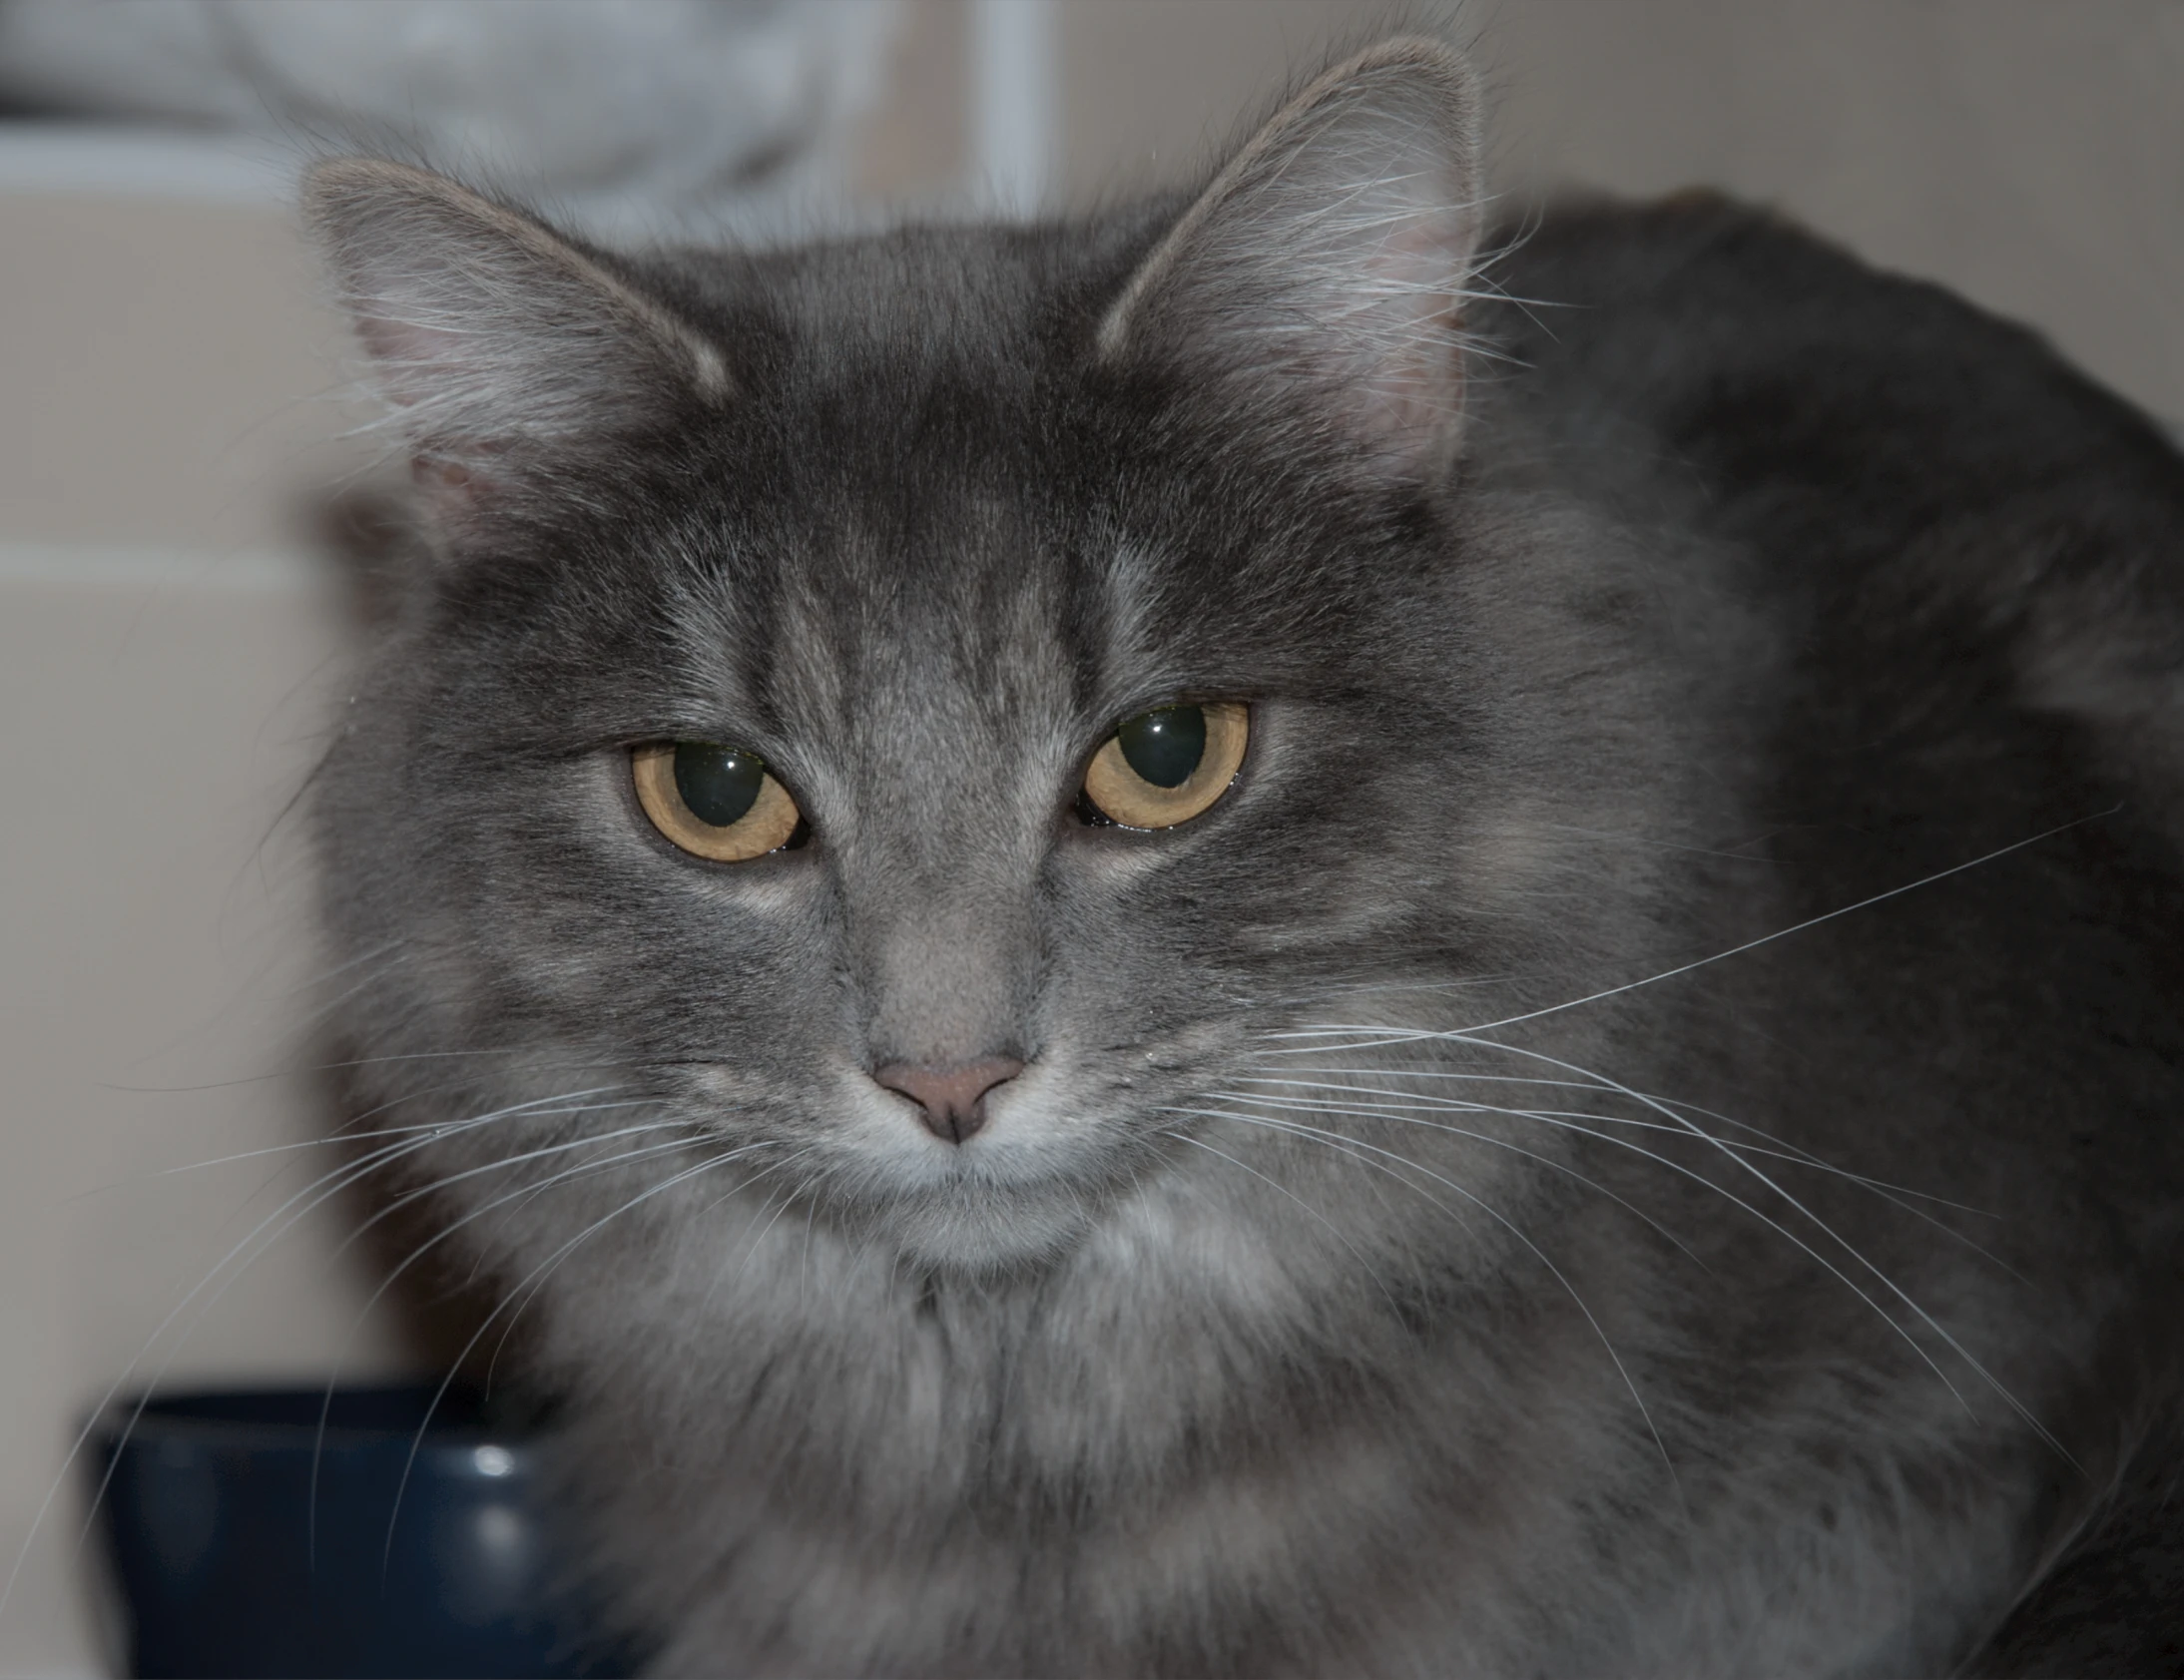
{"x": 227, "y": 1564}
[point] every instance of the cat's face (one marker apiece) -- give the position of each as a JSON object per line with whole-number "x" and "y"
{"x": 919, "y": 524}
{"x": 925, "y": 617}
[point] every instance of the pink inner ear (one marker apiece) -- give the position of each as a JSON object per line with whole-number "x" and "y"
{"x": 1408, "y": 405}
{"x": 1336, "y": 250}
{"x": 415, "y": 360}
{"x": 433, "y": 373}
{"x": 1397, "y": 345}
{"x": 435, "y": 472}
{"x": 458, "y": 479}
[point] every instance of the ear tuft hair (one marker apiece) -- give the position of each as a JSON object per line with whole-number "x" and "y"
{"x": 487, "y": 330}
{"x": 1334, "y": 252}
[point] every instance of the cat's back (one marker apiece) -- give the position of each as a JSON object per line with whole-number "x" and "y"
{"x": 1932, "y": 501}
{"x": 1751, "y": 344}
{"x": 1970, "y": 559}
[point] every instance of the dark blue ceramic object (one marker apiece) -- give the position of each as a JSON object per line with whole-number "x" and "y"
{"x": 224, "y": 1567}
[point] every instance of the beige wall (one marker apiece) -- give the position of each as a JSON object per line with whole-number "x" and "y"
{"x": 169, "y": 644}
{"x": 164, "y": 648}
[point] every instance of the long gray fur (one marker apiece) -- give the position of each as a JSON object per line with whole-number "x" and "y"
{"x": 1472, "y": 1206}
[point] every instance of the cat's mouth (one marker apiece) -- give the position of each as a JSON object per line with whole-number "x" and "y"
{"x": 1056, "y": 1144}
{"x": 1049, "y": 1156}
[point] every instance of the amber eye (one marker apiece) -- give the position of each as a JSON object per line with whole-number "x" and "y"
{"x": 1165, "y": 767}
{"x": 716, "y": 801}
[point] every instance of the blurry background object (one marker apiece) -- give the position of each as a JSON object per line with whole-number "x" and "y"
{"x": 617, "y": 111}
{"x": 431, "y": 1549}
{"x": 172, "y": 467}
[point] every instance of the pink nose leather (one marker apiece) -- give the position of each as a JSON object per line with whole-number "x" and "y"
{"x": 950, "y": 1100}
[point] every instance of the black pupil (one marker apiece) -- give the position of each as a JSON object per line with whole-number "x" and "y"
{"x": 720, "y": 784}
{"x": 1163, "y": 747}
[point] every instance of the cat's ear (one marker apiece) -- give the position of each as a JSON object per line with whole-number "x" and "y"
{"x": 494, "y": 338}
{"x": 1333, "y": 254}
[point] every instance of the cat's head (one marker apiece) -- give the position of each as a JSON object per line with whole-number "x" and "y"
{"x": 910, "y": 716}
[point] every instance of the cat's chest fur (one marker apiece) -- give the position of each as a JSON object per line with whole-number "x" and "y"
{"x": 1102, "y": 1480}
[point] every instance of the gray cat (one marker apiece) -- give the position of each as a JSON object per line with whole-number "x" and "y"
{"x": 1185, "y": 943}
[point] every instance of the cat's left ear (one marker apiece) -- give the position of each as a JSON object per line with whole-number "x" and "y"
{"x": 500, "y": 341}
{"x": 1333, "y": 255}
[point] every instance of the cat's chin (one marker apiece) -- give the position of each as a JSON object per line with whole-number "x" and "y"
{"x": 982, "y": 1230}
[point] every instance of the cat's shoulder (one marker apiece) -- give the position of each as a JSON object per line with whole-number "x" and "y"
{"x": 1934, "y": 488}
{"x": 1698, "y": 298}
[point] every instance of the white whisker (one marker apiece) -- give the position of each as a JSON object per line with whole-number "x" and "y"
{"x": 1798, "y": 1157}
{"x": 1394, "y": 1112}
{"x": 1343, "y": 1144}
{"x": 1334, "y": 1230}
{"x": 535, "y": 1275}
{"x": 1603, "y": 1082}
{"x": 314, "y": 1195}
{"x": 1723, "y": 956}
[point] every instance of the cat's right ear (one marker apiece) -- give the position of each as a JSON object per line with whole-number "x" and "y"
{"x": 495, "y": 338}
{"x": 1328, "y": 262}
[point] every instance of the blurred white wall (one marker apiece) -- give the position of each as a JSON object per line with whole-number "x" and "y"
{"x": 621, "y": 114}
{"x": 170, "y": 643}
{"x": 2029, "y": 153}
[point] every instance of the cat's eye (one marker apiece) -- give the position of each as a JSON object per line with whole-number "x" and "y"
{"x": 719, "y": 802}
{"x": 1165, "y": 767}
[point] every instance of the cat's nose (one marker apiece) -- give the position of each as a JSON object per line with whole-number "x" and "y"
{"x": 950, "y": 1100}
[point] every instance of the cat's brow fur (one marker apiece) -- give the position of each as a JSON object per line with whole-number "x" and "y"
{"x": 1795, "y": 1312}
